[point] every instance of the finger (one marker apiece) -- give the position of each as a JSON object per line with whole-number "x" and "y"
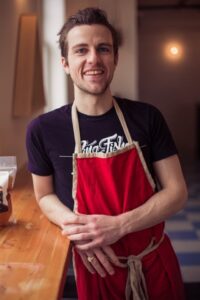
{"x": 72, "y": 219}
{"x": 96, "y": 264}
{"x": 81, "y": 242}
{"x": 79, "y": 237}
{"x": 112, "y": 256}
{"x": 89, "y": 246}
{"x": 104, "y": 261}
{"x": 68, "y": 227}
{"x": 74, "y": 229}
{"x": 86, "y": 263}
{"x": 75, "y": 219}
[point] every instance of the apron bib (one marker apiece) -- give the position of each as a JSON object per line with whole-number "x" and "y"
{"x": 111, "y": 184}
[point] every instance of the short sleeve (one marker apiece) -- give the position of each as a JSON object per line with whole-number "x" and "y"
{"x": 162, "y": 142}
{"x": 38, "y": 161}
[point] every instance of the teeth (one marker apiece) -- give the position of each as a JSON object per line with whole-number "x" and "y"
{"x": 93, "y": 72}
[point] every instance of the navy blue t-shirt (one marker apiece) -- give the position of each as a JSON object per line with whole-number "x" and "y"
{"x": 50, "y": 140}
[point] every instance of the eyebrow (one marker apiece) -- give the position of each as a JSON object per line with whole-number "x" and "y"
{"x": 80, "y": 45}
{"x": 86, "y": 45}
{"x": 105, "y": 44}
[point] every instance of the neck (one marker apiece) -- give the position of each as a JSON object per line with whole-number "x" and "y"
{"x": 93, "y": 105}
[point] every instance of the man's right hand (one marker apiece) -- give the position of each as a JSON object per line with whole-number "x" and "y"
{"x": 101, "y": 260}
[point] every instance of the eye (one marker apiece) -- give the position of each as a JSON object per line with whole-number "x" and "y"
{"x": 81, "y": 51}
{"x": 103, "y": 49}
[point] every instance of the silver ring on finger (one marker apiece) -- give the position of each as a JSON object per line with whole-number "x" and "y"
{"x": 90, "y": 258}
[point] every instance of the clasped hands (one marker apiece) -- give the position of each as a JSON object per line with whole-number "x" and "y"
{"x": 92, "y": 236}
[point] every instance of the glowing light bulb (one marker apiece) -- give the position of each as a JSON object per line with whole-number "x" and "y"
{"x": 173, "y": 51}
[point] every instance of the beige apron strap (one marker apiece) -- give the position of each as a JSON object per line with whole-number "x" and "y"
{"x": 123, "y": 122}
{"x": 136, "y": 283}
{"x": 131, "y": 141}
{"x": 76, "y": 129}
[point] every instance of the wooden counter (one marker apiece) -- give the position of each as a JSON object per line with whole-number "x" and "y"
{"x": 33, "y": 253}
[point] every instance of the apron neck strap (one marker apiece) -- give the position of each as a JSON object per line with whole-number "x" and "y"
{"x": 76, "y": 127}
{"x": 122, "y": 121}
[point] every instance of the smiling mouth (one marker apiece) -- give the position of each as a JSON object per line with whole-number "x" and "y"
{"x": 94, "y": 72}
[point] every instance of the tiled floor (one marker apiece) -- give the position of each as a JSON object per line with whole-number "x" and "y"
{"x": 184, "y": 232}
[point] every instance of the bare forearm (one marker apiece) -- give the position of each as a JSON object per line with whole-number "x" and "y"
{"x": 157, "y": 209}
{"x": 54, "y": 209}
{"x": 49, "y": 203}
{"x": 163, "y": 204}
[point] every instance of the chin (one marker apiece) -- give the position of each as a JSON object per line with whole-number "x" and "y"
{"x": 98, "y": 90}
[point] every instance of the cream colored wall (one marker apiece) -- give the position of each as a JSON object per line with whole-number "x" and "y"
{"x": 12, "y": 130}
{"x": 123, "y": 16}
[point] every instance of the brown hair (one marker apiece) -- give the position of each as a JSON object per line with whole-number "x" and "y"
{"x": 87, "y": 16}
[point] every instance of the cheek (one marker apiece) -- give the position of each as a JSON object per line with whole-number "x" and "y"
{"x": 111, "y": 62}
{"x": 112, "y": 67}
{"x": 75, "y": 68}
{"x": 75, "y": 73}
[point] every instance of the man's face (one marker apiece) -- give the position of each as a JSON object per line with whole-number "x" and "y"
{"x": 90, "y": 61}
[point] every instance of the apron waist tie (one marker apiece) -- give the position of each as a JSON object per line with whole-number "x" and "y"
{"x": 136, "y": 281}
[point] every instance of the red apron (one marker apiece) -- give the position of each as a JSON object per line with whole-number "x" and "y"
{"x": 110, "y": 184}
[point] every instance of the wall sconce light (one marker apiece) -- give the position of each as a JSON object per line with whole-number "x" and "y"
{"x": 173, "y": 51}
{"x": 20, "y": 3}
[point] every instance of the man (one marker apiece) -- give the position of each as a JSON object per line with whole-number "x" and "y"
{"x": 121, "y": 148}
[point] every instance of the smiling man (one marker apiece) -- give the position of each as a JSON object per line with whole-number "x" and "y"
{"x": 91, "y": 61}
{"x": 95, "y": 165}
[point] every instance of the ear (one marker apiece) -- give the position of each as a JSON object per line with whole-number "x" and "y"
{"x": 65, "y": 64}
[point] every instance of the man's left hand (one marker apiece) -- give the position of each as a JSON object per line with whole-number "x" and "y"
{"x": 95, "y": 230}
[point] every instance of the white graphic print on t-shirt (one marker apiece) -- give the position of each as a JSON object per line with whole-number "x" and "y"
{"x": 105, "y": 145}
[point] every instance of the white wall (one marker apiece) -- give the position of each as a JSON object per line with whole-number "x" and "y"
{"x": 53, "y": 17}
{"x": 122, "y": 15}
{"x": 172, "y": 87}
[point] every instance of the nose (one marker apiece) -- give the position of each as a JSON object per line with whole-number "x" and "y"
{"x": 93, "y": 56}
